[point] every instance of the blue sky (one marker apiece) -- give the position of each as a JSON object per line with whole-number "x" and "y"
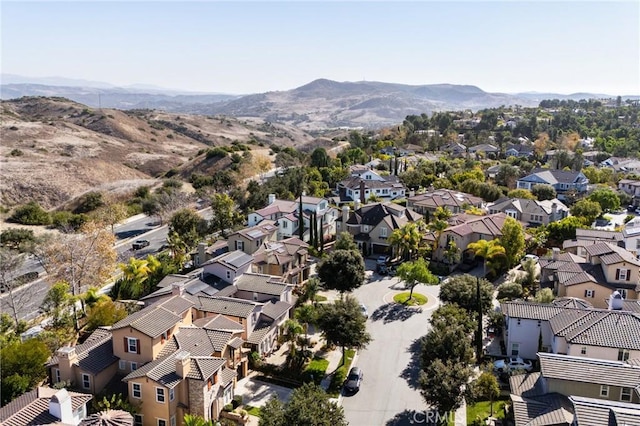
{"x": 249, "y": 47}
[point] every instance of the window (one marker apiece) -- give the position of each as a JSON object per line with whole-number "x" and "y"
{"x": 604, "y": 391}
{"x": 518, "y": 321}
{"x": 623, "y": 275}
{"x": 131, "y": 345}
{"x": 134, "y": 366}
{"x": 162, "y": 422}
{"x": 515, "y": 349}
{"x": 240, "y": 245}
{"x": 86, "y": 382}
{"x": 122, "y": 364}
{"x": 159, "y": 394}
{"x": 173, "y": 420}
{"x": 137, "y": 420}
{"x": 136, "y": 390}
{"x": 227, "y": 396}
{"x": 365, "y": 228}
{"x": 539, "y": 323}
{"x": 625, "y": 394}
{"x": 638, "y": 244}
{"x": 383, "y": 232}
{"x": 623, "y": 354}
{"x": 57, "y": 375}
{"x": 623, "y": 292}
{"x": 583, "y": 350}
{"x": 589, "y": 293}
{"x": 285, "y": 224}
{"x": 255, "y": 296}
{"x": 228, "y": 275}
{"x": 172, "y": 394}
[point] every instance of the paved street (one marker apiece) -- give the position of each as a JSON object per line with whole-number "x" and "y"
{"x": 389, "y": 395}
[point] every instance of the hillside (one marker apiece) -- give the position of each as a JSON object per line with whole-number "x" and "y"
{"x": 54, "y": 149}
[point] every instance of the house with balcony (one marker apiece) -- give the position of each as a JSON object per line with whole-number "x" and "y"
{"x": 364, "y": 184}
{"x": 530, "y": 212}
{"x": 371, "y": 225}
{"x": 562, "y": 181}
{"x": 454, "y": 201}
{"x": 288, "y": 258}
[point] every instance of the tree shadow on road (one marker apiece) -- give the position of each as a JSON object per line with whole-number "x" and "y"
{"x": 411, "y": 372}
{"x": 406, "y": 417}
{"x": 394, "y": 312}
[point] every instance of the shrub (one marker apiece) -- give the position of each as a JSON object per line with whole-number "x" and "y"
{"x": 89, "y": 202}
{"x": 16, "y": 152}
{"x": 237, "y": 401}
{"x": 216, "y": 152}
{"x": 228, "y": 408}
{"x": 31, "y": 214}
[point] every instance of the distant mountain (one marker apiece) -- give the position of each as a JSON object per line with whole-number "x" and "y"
{"x": 319, "y": 104}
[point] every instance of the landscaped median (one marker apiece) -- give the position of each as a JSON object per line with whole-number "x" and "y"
{"x": 340, "y": 374}
{"x": 415, "y": 300}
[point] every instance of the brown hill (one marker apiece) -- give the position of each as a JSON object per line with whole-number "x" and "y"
{"x": 54, "y": 149}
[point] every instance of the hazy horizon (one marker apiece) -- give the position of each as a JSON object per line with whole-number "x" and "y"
{"x": 255, "y": 47}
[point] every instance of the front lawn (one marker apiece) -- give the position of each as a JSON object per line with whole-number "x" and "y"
{"x": 416, "y": 300}
{"x": 481, "y": 409}
{"x": 315, "y": 370}
{"x": 254, "y": 411}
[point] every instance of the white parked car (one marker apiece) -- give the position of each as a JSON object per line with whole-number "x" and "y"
{"x": 504, "y": 365}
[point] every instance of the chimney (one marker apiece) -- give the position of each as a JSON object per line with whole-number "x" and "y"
{"x": 67, "y": 357}
{"x": 183, "y": 363}
{"x": 177, "y": 289}
{"x": 60, "y": 407}
{"x": 555, "y": 253}
{"x": 272, "y": 198}
{"x": 356, "y": 205}
{"x": 363, "y": 200}
{"x": 202, "y": 253}
{"x": 345, "y": 217}
{"x": 615, "y": 301}
{"x": 554, "y": 211}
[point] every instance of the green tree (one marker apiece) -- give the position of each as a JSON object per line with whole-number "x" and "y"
{"x": 309, "y": 405}
{"x": 30, "y": 214}
{"x": 189, "y": 226}
{"x": 291, "y": 330}
{"x": 586, "y": 210}
{"x": 18, "y": 239}
{"x": 343, "y": 270}
{"x": 225, "y": 213}
{"x": 344, "y": 241}
{"x": 530, "y": 279}
{"x": 512, "y": 240}
{"x": 306, "y": 314}
{"x": 521, "y": 193}
{"x": 414, "y": 273}
{"x": 406, "y": 240}
{"x": 89, "y": 202}
{"x": 343, "y": 324}
{"x": 486, "y": 386}
{"x": 507, "y": 176}
{"x": 544, "y": 296}
{"x": 58, "y": 303}
{"x": 104, "y": 312}
{"x": 23, "y": 367}
{"x": 487, "y": 250}
{"x": 461, "y": 290}
{"x": 451, "y": 314}
{"x": 193, "y": 420}
{"x": 563, "y": 229}
{"x": 446, "y": 342}
{"x": 441, "y": 384}
{"x": 543, "y": 192}
{"x": 607, "y": 198}
{"x": 509, "y": 291}
{"x": 319, "y": 158}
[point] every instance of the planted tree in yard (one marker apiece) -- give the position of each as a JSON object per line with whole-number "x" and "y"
{"x": 487, "y": 250}
{"x": 461, "y": 290}
{"x": 344, "y": 241}
{"x": 607, "y": 198}
{"x": 343, "y": 270}
{"x": 406, "y": 240}
{"x": 442, "y": 382}
{"x": 225, "y": 213}
{"x": 512, "y": 241}
{"x": 23, "y": 367}
{"x": 587, "y": 210}
{"x": 543, "y": 192}
{"x": 487, "y": 387}
{"x": 306, "y": 314}
{"x": 104, "y": 312}
{"x": 189, "y": 226}
{"x": 450, "y": 313}
{"x": 291, "y": 329}
{"x": 343, "y": 324}
{"x": 531, "y": 276}
{"x": 446, "y": 342}
{"x": 509, "y": 291}
{"x": 414, "y": 273}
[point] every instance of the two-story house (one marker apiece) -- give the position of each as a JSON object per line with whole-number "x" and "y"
{"x": 287, "y": 258}
{"x": 454, "y": 149}
{"x": 490, "y": 151}
{"x": 561, "y": 180}
{"x": 519, "y": 150}
{"x": 631, "y": 187}
{"x": 46, "y": 406}
{"x": 454, "y": 201}
{"x": 362, "y": 185}
{"x": 531, "y": 212}
{"x": 371, "y": 225}
{"x": 631, "y": 236}
{"x": 228, "y": 266}
{"x": 248, "y": 240}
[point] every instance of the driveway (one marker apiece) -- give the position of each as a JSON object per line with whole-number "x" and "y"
{"x": 389, "y": 394}
{"x": 256, "y": 393}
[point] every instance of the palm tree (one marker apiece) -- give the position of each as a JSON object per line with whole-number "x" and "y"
{"x": 291, "y": 330}
{"x": 487, "y": 250}
{"x": 92, "y": 296}
{"x": 437, "y": 226}
{"x": 306, "y": 314}
{"x": 193, "y": 420}
{"x": 178, "y": 248}
{"x": 406, "y": 240}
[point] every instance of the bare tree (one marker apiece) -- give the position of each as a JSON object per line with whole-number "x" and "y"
{"x": 10, "y": 280}
{"x": 83, "y": 259}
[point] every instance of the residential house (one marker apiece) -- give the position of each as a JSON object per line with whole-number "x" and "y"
{"x": 467, "y": 231}
{"x": 287, "y": 258}
{"x": 455, "y": 149}
{"x": 46, "y": 406}
{"x": 371, "y": 225}
{"x": 363, "y": 184}
{"x": 88, "y": 366}
{"x": 205, "y": 252}
{"x": 454, "y": 201}
{"x": 489, "y": 150}
{"x": 531, "y": 212}
{"x": 590, "y": 377}
{"x": 586, "y": 237}
{"x": 519, "y": 150}
{"x": 624, "y": 165}
{"x": 228, "y": 266}
{"x": 561, "y": 180}
{"x": 250, "y": 239}
{"x": 262, "y": 288}
{"x": 631, "y": 187}
{"x": 593, "y": 411}
{"x": 631, "y": 235}
{"x": 286, "y": 215}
